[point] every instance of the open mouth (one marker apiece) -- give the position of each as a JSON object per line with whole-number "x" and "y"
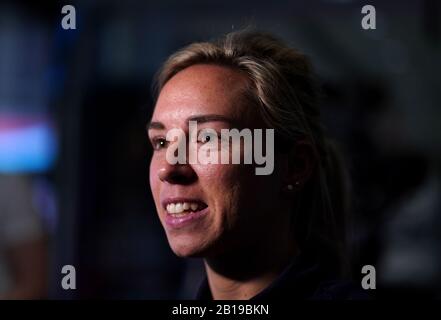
{"x": 180, "y": 209}
{"x": 181, "y": 212}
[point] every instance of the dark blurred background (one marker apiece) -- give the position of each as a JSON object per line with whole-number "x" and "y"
{"x": 74, "y": 154}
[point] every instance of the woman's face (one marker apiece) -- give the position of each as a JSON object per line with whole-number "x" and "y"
{"x": 226, "y": 206}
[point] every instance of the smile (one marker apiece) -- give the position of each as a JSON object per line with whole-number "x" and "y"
{"x": 182, "y": 208}
{"x": 183, "y": 212}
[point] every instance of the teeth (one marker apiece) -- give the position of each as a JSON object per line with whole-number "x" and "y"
{"x": 180, "y": 208}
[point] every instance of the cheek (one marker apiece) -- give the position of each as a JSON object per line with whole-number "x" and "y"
{"x": 226, "y": 185}
{"x": 236, "y": 187}
{"x": 218, "y": 176}
{"x": 153, "y": 177}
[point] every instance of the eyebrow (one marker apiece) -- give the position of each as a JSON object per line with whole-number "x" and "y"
{"x": 156, "y": 125}
{"x": 211, "y": 118}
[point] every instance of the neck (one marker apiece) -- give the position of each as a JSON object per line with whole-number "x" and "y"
{"x": 242, "y": 274}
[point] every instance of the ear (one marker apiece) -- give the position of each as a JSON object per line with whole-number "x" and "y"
{"x": 300, "y": 165}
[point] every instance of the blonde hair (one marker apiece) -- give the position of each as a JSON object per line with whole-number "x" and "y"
{"x": 282, "y": 85}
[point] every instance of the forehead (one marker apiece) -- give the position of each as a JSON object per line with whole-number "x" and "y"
{"x": 202, "y": 89}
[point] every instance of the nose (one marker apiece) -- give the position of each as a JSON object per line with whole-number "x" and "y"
{"x": 177, "y": 173}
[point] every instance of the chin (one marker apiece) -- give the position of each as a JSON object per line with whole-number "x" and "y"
{"x": 187, "y": 247}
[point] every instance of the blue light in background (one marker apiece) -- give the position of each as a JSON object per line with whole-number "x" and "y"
{"x": 28, "y": 149}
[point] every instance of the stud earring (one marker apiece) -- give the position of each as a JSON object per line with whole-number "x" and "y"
{"x": 290, "y": 187}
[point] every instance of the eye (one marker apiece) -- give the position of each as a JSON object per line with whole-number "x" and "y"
{"x": 207, "y": 136}
{"x": 159, "y": 143}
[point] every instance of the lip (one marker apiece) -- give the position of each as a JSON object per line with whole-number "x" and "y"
{"x": 188, "y": 219}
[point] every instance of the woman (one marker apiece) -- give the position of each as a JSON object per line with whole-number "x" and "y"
{"x": 270, "y": 236}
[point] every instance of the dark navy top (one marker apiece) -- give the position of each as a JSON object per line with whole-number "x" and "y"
{"x": 302, "y": 280}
